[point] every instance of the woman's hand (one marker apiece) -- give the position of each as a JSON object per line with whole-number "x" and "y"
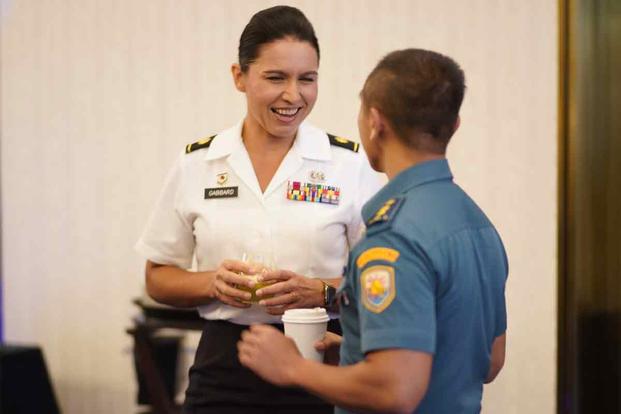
{"x": 331, "y": 346}
{"x": 227, "y": 277}
{"x": 289, "y": 290}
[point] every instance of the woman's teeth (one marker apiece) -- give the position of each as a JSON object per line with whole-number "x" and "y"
{"x": 286, "y": 112}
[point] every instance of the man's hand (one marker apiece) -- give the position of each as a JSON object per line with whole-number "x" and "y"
{"x": 269, "y": 353}
{"x": 331, "y": 346}
{"x": 289, "y": 290}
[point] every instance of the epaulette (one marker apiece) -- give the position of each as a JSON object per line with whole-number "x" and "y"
{"x": 205, "y": 143}
{"x": 386, "y": 212}
{"x": 343, "y": 143}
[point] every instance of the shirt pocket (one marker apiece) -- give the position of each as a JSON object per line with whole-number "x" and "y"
{"x": 327, "y": 233}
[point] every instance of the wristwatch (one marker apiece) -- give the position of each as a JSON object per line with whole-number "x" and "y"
{"x": 329, "y": 295}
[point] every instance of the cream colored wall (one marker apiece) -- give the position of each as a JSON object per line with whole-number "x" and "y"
{"x": 99, "y": 96}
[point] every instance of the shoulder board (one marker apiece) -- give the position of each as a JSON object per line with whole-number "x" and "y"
{"x": 386, "y": 213}
{"x": 204, "y": 143}
{"x": 343, "y": 143}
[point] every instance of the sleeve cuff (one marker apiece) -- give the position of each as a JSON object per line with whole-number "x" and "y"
{"x": 154, "y": 255}
{"x": 389, "y": 338}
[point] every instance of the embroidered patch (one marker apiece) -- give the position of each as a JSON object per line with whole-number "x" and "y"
{"x": 386, "y": 212}
{"x": 377, "y": 253}
{"x": 378, "y": 287}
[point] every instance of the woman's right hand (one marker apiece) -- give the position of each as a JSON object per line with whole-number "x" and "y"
{"x": 227, "y": 277}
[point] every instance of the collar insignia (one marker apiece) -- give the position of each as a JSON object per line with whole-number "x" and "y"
{"x": 222, "y": 178}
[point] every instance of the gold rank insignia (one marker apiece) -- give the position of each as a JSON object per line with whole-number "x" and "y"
{"x": 205, "y": 143}
{"x": 222, "y": 178}
{"x": 378, "y": 287}
{"x": 343, "y": 143}
{"x": 386, "y": 212}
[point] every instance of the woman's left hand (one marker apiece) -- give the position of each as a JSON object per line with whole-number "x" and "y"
{"x": 289, "y": 290}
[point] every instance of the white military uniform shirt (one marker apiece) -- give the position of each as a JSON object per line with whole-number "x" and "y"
{"x": 309, "y": 238}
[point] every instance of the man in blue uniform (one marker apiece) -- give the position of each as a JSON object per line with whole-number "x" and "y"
{"x": 422, "y": 305}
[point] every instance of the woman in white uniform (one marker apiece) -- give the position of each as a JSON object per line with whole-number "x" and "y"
{"x": 270, "y": 185}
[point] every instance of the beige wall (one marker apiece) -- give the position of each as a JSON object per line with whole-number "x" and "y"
{"x": 99, "y": 96}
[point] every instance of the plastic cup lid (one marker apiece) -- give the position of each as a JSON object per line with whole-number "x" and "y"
{"x": 314, "y": 315}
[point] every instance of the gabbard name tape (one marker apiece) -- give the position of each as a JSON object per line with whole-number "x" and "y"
{"x": 220, "y": 192}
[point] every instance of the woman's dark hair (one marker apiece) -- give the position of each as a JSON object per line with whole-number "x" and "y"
{"x": 418, "y": 91}
{"x": 272, "y": 24}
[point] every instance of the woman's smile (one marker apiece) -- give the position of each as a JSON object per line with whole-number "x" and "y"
{"x": 280, "y": 87}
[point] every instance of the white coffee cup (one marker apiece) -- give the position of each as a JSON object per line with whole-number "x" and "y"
{"x": 305, "y": 327}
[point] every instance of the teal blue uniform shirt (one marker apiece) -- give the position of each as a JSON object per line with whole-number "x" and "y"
{"x": 429, "y": 276}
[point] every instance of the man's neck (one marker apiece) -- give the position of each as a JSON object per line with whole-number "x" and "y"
{"x": 398, "y": 157}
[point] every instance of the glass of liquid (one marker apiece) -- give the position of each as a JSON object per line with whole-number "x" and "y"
{"x": 261, "y": 263}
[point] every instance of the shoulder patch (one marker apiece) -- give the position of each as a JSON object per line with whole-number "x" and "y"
{"x": 204, "y": 143}
{"x": 386, "y": 212}
{"x": 378, "y": 288}
{"x": 343, "y": 143}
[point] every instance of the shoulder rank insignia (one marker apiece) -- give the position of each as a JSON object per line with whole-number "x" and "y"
{"x": 343, "y": 143}
{"x": 205, "y": 143}
{"x": 386, "y": 212}
{"x": 378, "y": 288}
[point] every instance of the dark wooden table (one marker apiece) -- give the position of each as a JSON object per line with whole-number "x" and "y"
{"x": 152, "y": 319}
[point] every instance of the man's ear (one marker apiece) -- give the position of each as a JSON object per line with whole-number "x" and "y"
{"x": 377, "y": 124}
{"x": 457, "y": 124}
{"x": 238, "y": 77}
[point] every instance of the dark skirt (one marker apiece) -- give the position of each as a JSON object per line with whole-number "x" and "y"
{"x": 219, "y": 384}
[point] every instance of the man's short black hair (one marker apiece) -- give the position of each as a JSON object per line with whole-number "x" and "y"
{"x": 420, "y": 93}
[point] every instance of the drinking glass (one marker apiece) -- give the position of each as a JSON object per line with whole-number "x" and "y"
{"x": 261, "y": 262}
